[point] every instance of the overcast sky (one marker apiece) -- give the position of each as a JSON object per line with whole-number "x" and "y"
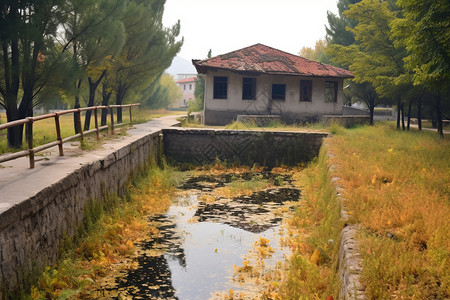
{"x": 228, "y": 25}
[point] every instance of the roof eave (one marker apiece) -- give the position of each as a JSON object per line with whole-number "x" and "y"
{"x": 203, "y": 70}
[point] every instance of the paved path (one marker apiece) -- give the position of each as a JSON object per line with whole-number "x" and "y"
{"x": 18, "y": 182}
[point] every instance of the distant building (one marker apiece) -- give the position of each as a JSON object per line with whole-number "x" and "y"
{"x": 186, "y": 83}
{"x": 260, "y": 80}
{"x": 181, "y": 76}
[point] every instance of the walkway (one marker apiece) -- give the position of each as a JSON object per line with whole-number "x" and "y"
{"x": 18, "y": 182}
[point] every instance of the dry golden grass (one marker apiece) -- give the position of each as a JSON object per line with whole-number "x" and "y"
{"x": 397, "y": 185}
{"x": 313, "y": 235}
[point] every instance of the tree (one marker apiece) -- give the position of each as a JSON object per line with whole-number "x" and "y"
{"x": 92, "y": 33}
{"x": 161, "y": 93}
{"x": 100, "y": 47}
{"x": 318, "y": 53}
{"x": 374, "y": 57}
{"x": 337, "y": 32}
{"x": 26, "y": 31}
{"x": 425, "y": 33}
{"x": 149, "y": 48}
{"x": 199, "y": 91}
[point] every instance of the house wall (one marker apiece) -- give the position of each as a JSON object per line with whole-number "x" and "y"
{"x": 187, "y": 88}
{"x": 223, "y": 111}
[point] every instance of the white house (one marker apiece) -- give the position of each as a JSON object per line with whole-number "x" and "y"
{"x": 187, "y": 87}
{"x": 260, "y": 80}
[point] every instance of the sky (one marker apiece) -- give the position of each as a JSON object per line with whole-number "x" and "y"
{"x": 227, "y": 25}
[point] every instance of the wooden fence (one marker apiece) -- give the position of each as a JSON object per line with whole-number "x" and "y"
{"x": 59, "y": 140}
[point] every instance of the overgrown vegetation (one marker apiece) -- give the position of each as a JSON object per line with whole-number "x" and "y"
{"x": 107, "y": 236}
{"x": 313, "y": 237}
{"x": 397, "y": 187}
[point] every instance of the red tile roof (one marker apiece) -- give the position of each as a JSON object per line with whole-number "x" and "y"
{"x": 190, "y": 79}
{"x": 263, "y": 59}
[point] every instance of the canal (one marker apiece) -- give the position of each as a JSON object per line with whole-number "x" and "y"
{"x": 222, "y": 237}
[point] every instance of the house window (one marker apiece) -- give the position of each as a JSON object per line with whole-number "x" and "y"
{"x": 278, "y": 91}
{"x": 331, "y": 89}
{"x": 190, "y": 86}
{"x": 220, "y": 87}
{"x": 306, "y": 90}
{"x": 248, "y": 88}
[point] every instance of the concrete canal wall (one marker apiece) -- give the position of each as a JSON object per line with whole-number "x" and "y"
{"x": 31, "y": 232}
{"x": 270, "y": 148}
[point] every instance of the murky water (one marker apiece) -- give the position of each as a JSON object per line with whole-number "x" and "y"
{"x": 199, "y": 242}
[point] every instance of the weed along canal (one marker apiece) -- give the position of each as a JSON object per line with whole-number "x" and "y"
{"x": 221, "y": 238}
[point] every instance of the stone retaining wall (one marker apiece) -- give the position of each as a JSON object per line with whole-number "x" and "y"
{"x": 32, "y": 231}
{"x": 258, "y": 120}
{"x": 200, "y": 146}
{"x": 350, "y": 259}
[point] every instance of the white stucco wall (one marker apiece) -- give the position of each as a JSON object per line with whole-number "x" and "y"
{"x": 187, "y": 88}
{"x": 291, "y": 109}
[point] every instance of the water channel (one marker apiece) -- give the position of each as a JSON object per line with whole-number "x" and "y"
{"x": 207, "y": 241}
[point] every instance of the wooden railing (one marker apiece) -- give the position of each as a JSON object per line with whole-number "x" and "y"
{"x": 59, "y": 140}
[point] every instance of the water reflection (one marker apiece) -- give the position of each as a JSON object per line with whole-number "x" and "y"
{"x": 193, "y": 259}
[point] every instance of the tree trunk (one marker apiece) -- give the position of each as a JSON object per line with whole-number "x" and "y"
{"x": 419, "y": 114}
{"x": 403, "y": 116}
{"x": 75, "y": 116}
{"x": 92, "y": 88}
{"x": 119, "y": 109}
{"x": 14, "y": 134}
{"x": 439, "y": 116}
{"x": 120, "y": 95}
{"x": 29, "y": 129}
{"x": 398, "y": 114}
{"x": 371, "y": 110}
{"x": 409, "y": 115}
{"x": 105, "y": 100}
{"x": 77, "y": 105}
{"x": 87, "y": 120}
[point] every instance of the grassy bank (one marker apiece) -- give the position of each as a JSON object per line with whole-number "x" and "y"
{"x": 105, "y": 241}
{"x": 313, "y": 237}
{"x": 397, "y": 186}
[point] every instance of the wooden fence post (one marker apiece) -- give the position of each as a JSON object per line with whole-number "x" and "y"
{"x": 131, "y": 119}
{"x": 79, "y": 124}
{"x": 58, "y": 135}
{"x": 96, "y": 123}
